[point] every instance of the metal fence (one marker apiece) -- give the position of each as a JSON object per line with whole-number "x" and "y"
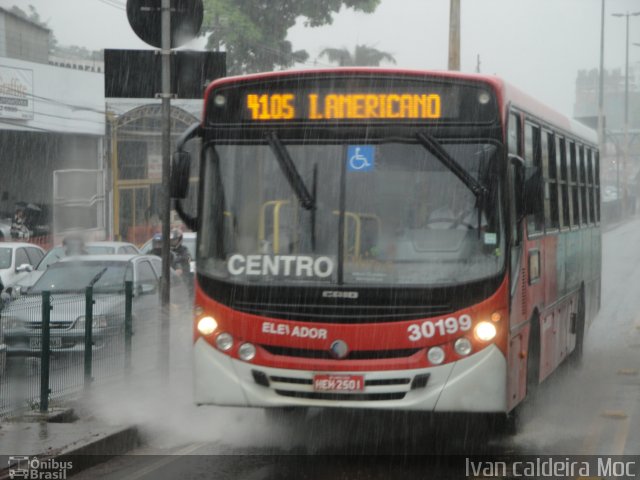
{"x": 59, "y": 344}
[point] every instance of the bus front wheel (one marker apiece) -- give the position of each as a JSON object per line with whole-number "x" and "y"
{"x": 285, "y": 415}
{"x": 533, "y": 358}
{"x": 575, "y": 359}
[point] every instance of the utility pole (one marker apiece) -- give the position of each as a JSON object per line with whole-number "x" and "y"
{"x": 601, "y": 137}
{"x": 626, "y": 109}
{"x": 454, "y": 35}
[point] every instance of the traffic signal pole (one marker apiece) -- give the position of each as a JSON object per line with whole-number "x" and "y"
{"x": 166, "y": 198}
{"x": 166, "y": 150}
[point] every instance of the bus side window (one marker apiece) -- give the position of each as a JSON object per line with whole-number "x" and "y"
{"x": 596, "y": 172}
{"x": 550, "y": 172}
{"x": 514, "y": 225}
{"x": 573, "y": 182}
{"x": 535, "y": 221}
{"x": 513, "y": 134}
{"x": 561, "y": 158}
{"x": 591, "y": 188}
{"x": 582, "y": 178}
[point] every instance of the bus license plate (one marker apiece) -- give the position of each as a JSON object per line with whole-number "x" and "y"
{"x": 54, "y": 342}
{"x": 338, "y": 383}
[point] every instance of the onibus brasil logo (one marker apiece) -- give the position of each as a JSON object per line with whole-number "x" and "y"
{"x": 38, "y": 468}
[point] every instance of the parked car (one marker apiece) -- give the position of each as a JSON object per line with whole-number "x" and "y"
{"x": 67, "y": 280}
{"x": 56, "y": 253}
{"x": 17, "y": 260}
{"x": 3, "y": 347}
{"x": 93, "y": 248}
{"x": 5, "y": 229}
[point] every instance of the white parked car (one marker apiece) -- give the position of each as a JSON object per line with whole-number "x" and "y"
{"x": 17, "y": 260}
{"x": 57, "y": 253}
{"x": 5, "y": 229}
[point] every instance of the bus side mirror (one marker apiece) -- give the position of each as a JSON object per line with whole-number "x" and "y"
{"x": 180, "y": 168}
{"x": 181, "y": 163}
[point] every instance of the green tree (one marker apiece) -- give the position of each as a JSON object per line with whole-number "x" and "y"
{"x": 362, "y": 56}
{"x": 254, "y": 32}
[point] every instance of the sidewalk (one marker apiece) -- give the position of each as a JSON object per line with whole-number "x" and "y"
{"x": 83, "y": 443}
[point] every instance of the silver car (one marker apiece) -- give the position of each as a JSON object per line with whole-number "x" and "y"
{"x": 67, "y": 280}
{"x": 5, "y": 229}
{"x": 56, "y": 253}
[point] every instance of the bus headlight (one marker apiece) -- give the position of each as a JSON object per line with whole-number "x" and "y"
{"x": 207, "y": 325}
{"x": 462, "y": 346}
{"x": 485, "y": 331}
{"x": 224, "y": 341}
{"x": 484, "y": 98}
{"x": 436, "y": 355}
{"x": 246, "y": 352}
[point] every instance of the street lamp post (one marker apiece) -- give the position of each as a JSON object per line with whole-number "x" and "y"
{"x": 626, "y": 105}
{"x": 601, "y": 138}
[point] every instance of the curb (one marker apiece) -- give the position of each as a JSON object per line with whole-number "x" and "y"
{"x": 88, "y": 452}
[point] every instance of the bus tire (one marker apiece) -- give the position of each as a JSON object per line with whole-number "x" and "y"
{"x": 575, "y": 359}
{"x": 505, "y": 423}
{"x": 3, "y": 363}
{"x": 285, "y": 415}
{"x": 533, "y": 358}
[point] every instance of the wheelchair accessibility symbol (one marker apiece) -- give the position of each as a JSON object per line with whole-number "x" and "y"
{"x": 360, "y": 158}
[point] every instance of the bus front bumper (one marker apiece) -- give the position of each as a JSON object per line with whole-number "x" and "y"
{"x": 474, "y": 384}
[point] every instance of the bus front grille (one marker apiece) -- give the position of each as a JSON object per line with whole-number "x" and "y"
{"x": 353, "y": 355}
{"x": 341, "y": 313}
{"x": 384, "y": 386}
{"x": 341, "y": 397}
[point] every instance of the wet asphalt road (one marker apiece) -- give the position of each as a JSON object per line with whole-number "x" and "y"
{"x": 594, "y": 411}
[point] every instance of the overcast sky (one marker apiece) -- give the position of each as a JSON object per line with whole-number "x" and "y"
{"x": 539, "y": 45}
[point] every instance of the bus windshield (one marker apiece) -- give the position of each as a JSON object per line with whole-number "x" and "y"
{"x": 385, "y": 213}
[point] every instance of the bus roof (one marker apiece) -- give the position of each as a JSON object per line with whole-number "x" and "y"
{"x": 507, "y": 93}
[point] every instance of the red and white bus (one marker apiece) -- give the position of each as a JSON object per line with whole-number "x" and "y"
{"x": 388, "y": 239}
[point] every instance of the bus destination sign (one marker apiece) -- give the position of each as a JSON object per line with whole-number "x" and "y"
{"x": 351, "y": 99}
{"x": 343, "y": 106}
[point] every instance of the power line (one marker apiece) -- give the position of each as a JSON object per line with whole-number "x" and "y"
{"x": 26, "y": 127}
{"x": 114, "y": 4}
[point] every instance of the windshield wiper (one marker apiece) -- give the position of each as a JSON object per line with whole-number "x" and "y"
{"x": 291, "y": 174}
{"x": 432, "y": 145}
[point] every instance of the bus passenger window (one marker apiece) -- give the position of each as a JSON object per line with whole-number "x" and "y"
{"x": 582, "y": 178}
{"x": 551, "y": 181}
{"x": 573, "y": 182}
{"x": 597, "y": 185}
{"x": 591, "y": 188}
{"x": 535, "y": 221}
{"x": 513, "y": 132}
{"x": 561, "y": 158}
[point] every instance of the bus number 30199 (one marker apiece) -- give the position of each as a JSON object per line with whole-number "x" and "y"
{"x": 430, "y": 328}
